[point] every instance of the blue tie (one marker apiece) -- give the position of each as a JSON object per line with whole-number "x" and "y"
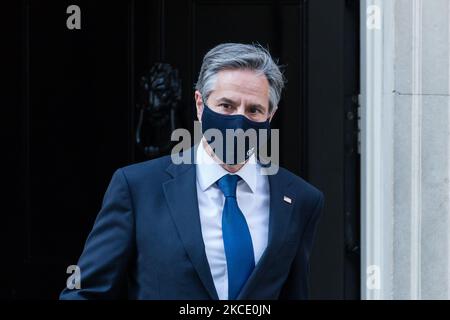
{"x": 236, "y": 238}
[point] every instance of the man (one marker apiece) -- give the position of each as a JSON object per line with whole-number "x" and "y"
{"x": 212, "y": 229}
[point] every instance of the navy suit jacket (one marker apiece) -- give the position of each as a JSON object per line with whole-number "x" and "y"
{"x": 147, "y": 238}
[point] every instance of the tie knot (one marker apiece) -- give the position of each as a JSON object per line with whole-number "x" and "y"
{"x": 228, "y": 184}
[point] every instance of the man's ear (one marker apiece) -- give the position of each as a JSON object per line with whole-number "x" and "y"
{"x": 199, "y": 104}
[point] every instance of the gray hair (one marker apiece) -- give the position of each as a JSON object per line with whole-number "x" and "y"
{"x": 231, "y": 56}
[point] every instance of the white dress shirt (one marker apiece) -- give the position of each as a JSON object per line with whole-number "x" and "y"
{"x": 253, "y": 198}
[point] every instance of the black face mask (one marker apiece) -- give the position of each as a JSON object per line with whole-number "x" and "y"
{"x": 232, "y": 151}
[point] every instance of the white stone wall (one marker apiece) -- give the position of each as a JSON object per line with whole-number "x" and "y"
{"x": 414, "y": 190}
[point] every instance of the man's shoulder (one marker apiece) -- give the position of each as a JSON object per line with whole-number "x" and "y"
{"x": 154, "y": 169}
{"x": 157, "y": 163}
{"x": 300, "y": 185}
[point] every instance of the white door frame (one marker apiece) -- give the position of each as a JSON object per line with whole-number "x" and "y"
{"x": 376, "y": 101}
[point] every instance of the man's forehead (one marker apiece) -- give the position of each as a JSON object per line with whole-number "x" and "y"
{"x": 243, "y": 76}
{"x": 238, "y": 85}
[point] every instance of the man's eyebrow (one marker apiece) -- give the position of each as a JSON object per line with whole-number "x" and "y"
{"x": 232, "y": 102}
{"x": 226, "y": 100}
{"x": 256, "y": 105}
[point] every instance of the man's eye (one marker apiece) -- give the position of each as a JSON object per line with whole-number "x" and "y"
{"x": 255, "y": 110}
{"x": 225, "y": 105}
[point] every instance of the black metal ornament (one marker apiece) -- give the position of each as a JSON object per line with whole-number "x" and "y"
{"x": 160, "y": 95}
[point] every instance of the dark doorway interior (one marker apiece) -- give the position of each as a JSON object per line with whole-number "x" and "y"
{"x": 73, "y": 117}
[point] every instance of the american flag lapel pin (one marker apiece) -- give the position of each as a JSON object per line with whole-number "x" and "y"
{"x": 287, "y": 199}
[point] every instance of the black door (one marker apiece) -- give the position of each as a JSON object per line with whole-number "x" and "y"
{"x": 75, "y": 98}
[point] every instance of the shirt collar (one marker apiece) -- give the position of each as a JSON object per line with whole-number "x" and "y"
{"x": 209, "y": 171}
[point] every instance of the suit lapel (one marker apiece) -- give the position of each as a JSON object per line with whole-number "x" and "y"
{"x": 181, "y": 196}
{"x": 279, "y": 220}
